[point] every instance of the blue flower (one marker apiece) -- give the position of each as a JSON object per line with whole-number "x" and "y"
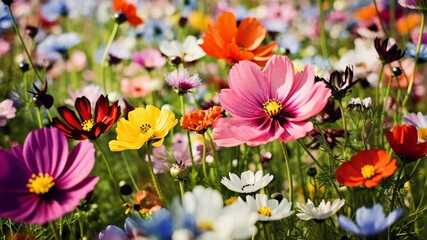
{"x": 54, "y": 47}
{"x": 112, "y": 232}
{"x": 411, "y": 50}
{"x": 155, "y": 30}
{"x": 369, "y": 221}
{"x": 159, "y": 225}
{"x": 5, "y": 20}
{"x": 54, "y": 9}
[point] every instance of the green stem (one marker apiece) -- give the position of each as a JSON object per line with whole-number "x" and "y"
{"x": 379, "y": 17}
{"x": 53, "y": 228}
{"x": 39, "y": 117}
{"x": 267, "y": 235}
{"x": 104, "y": 56}
{"x": 196, "y": 104}
{"x": 396, "y": 187}
{"x": 301, "y": 174}
{"x": 323, "y": 40}
{"x": 153, "y": 176}
{"x": 379, "y": 83}
{"x": 311, "y": 155}
{"x": 132, "y": 179}
{"x": 417, "y": 53}
{"x": 49, "y": 115}
{"x": 288, "y": 170}
{"x": 15, "y": 26}
{"x": 107, "y": 165}
{"x": 205, "y": 172}
{"x": 384, "y": 100}
{"x": 190, "y": 149}
{"x": 344, "y": 123}
{"x": 181, "y": 189}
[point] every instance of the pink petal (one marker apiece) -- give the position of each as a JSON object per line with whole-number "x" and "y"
{"x": 248, "y": 83}
{"x": 79, "y": 164}
{"x": 295, "y": 130}
{"x": 19, "y": 206}
{"x": 303, "y": 83}
{"x": 242, "y": 108}
{"x": 45, "y": 151}
{"x": 314, "y": 103}
{"x": 279, "y": 71}
{"x": 70, "y": 198}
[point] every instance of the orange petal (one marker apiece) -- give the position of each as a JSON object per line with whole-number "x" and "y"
{"x": 226, "y": 26}
{"x": 250, "y": 33}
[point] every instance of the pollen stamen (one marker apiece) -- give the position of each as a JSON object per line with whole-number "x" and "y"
{"x": 273, "y": 107}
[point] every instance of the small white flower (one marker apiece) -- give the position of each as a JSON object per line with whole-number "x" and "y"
{"x": 248, "y": 181}
{"x": 188, "y": 51}
{"x": 420, "y": 122}
{"x": 269, "y": 209}
{"x": 309, "y": 211}
{"x": 356, "y": 103}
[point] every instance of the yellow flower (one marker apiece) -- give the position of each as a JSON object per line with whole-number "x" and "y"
{"x": 144, "y": 124}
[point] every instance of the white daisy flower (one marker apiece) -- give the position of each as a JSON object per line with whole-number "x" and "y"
{"x": 269, "y": 209}
{"x": 248, "y": 181}
{"x": 213, "y": 220}
{"x": 188, "y": 51}
{"x": 420, "y": 122}
{"x": 309, "y": 211}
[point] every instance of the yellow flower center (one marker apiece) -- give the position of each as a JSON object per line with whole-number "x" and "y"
{"x": 273, "y": 107}
{"x": 266, "y": 211}
{"x": 40, "y": 184}
{"x": 205, "y": 225}
{"x": 368, "y": 171}
{"x": 87, "y": 125}
{"x": 422, "y": 133}
{"x": 145, "y": 127}
{"x": 230, "y": 200}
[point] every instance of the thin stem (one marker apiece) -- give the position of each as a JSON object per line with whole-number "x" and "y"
{"x": 304, "y": 191}
{"x": 288, "y": 170}
{"x": 379, "y": 83}
{"x": 153, "y": 176}
{"x": 15, "y": 26}
{"x": 53, "y": 228}
{"x": 107, "y": 165}
{"x": 181, "y": 189}
{"x": 49, "y": 115}
{"x": 323, "y": 40}
{"x": 132, "y": 179}
{"x": 381, "y": 135}
{"x": 396, "y": 186}
{"x": 417, "y": 53}
{"x": 267, "y": 234}
{"x": 190, "y": 148}
{"x": 196, "y": 104}
{"x": 344, "y": 123}
{"x": 39, "y": 117}
{"x": 205, "y": 172}
{"x": 311, "y": 155}
{"x": 379, "y": 17}
{"x": 104, "y": 56}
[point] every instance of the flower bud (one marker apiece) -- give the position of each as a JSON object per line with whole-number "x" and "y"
{"x": 278, "y": 196}
{"x": 7, "y": 2}
{"x": 312, "y": 172}
{"x": 119, "y": 18}
{"x": 31, "y": 31}
{"x": 125, "y": 189}
{"x": 24, "y": 67}
{"x": 397, "y": 71}
{"x": 179, "y": 171}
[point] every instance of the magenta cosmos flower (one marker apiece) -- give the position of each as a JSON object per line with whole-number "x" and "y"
{"x": 414, "y": 4}
{"x": 40, "y": 181}
{"x": 149, "y": 58}
{"x": 268, "y": 105}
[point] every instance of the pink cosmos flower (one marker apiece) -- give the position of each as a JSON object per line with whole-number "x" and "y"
{"x": 41, "y": 181}
{"x": 413, "y": 4}
{"x": 7, "y": 111}
{"x": 268, "y": 105}
{"x": 140, "y": 86}
{"x": 149, "y": 58}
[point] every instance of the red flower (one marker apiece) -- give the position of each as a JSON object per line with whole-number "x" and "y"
{"x": 404, "y": 142}
{"x": 84, "y": 126}
{"x": 366, "y": 168}
{"x": 129, "y": 10}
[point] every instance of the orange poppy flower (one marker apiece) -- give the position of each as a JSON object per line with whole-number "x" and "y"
{"x": 201, "y": 120}
{"x": 404, "y": 142}
{"x": 225, "y": 40}
{"x": 129, "y": 10}
{"x": 366, "y": 168}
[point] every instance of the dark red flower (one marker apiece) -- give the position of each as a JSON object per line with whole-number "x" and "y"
{"x": 84, "y": 126}
{"x": 386, "y": 54}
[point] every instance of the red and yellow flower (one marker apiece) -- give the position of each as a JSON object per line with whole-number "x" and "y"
{"x": 368, "y": 168}
{"x": 85, "y": 126}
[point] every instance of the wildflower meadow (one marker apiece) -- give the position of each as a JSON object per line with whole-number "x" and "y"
{"x": 222, "y": 120}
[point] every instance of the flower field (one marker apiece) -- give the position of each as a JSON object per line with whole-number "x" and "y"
{"x": 167, "y": 119}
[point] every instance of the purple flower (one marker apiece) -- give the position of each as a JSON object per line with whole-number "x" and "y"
{"x": 7, "y": 111}
{"x": 414, "y": 4}
{"x": 149, "y": 58}
{"x": 112, "y": 233}
{"x": 181, "y": 81}
{"x": 40, "y": 181}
